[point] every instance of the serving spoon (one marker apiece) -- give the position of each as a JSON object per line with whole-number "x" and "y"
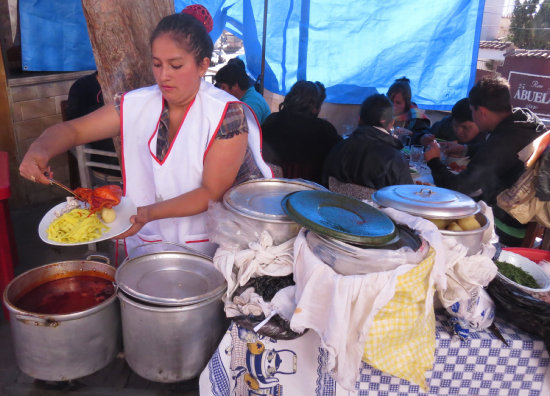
{"x": 64, "y": 187}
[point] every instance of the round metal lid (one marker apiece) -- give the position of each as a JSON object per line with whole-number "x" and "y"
{"x": 340, "y": 217}
{"x": 426, "y": 201}
{"x": 170, "y": 278}
{"x": 261, "y": 198}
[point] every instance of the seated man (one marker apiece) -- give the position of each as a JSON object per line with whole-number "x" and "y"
{"x": 232, "y": 78}
{"x": 496, "y": 166}
{"x": 370, "y": 157}
{"x": 466, "y": 131}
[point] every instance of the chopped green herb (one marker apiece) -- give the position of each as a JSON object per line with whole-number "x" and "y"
{"x": 517, "y": 274}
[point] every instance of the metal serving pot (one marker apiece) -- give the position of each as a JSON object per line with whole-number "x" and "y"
{"x": 437, "y": 203}
{"x": 258, "y": 201}
{"x": 67, "y": 346}
{"x": 172, "y": 314}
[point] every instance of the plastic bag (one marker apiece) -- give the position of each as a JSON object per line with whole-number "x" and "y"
{"x": 519, "y": 308}
{"x": 475, "y": 313}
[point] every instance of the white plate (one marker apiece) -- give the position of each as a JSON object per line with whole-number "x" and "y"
{"x": 124, "y": 210}
{"x": 542, "y": 278}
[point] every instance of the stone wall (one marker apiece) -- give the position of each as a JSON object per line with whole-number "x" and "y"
{"x": 35, "y": 105}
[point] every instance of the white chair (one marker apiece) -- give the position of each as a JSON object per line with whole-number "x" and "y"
{"x": 85, "y": 164}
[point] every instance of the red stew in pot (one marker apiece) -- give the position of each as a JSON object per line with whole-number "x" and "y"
{"x": 66, "y": 295}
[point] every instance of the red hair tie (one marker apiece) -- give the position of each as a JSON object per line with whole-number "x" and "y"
{"x": 202, "y": 14}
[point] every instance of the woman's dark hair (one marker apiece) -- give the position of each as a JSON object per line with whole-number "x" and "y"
{"x": 374, "y": 109}
{"x": 305, "y": 97}
{"x": 492, "y": 93}
{"x": 401, "y": 85}
{"x": 188, "y": 32}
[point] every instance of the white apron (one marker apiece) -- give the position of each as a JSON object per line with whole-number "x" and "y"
{"x": 148, "y": 180}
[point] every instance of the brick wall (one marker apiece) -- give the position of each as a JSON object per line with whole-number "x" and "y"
{"x": 35, "y": 105}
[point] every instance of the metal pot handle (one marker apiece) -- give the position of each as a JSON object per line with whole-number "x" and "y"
{"x": 36, "y": 320}
{"x": 100, "y": 257}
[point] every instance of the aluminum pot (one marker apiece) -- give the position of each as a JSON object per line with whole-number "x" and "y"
{"x": 172, "y": 314}
{"x": 258, "y": 203}
{"x": 68, "y": 346}
{"x": 437, "y": 203}
{"x": 471, "y": 239}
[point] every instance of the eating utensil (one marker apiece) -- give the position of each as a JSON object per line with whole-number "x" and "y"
{"x": 64, "y": 187}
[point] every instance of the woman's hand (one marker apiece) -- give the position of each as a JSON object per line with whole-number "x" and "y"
{"x": 34, "y": 165}
{"x": 432, "y": 151}
{"x": 138, "y": 220}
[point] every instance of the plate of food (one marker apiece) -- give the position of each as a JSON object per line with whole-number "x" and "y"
{"x": 103, "y": 216}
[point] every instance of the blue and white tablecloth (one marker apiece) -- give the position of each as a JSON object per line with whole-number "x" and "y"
{"x": 248, "y": 364}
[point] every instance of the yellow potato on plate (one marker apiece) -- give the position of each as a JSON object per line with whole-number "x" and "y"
{"x": 469, "y": 223}
{"x": 108, "y": 215}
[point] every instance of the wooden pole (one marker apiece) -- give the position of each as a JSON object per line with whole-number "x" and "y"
{"x": 119, "y": 32}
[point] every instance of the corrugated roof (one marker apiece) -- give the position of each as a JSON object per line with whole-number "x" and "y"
{"x": 521, "y": 53}
{"x": 495, "y": 44}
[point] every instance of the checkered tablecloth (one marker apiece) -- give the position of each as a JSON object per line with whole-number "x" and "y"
{"x": 248, "y": 364}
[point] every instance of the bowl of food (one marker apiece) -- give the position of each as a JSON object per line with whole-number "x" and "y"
{"x": 522, "y": 272}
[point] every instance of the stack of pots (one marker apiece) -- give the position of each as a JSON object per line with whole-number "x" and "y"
{"x": 349, "y": 235}
{"x": 172, "y": 313}
{"x": 437, "y": 203}
{"x": 62, "y": 347}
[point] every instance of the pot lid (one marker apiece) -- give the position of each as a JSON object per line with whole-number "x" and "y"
{"x": 426, "y": 201}
{"x": 261, "y": 198}
{"x": 340, "y": 217}
{"x": 170, "y": 278}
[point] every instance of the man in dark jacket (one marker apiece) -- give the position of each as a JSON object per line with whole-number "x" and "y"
{"x": 495, "y": 166}
{"x": 370, "y": 157}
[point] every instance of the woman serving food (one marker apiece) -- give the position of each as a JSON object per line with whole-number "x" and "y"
{"x": 184, "y": 142}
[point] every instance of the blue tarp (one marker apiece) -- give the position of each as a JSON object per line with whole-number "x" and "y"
{"x": 353, "y": 47}
{"x": 54, "y": 36}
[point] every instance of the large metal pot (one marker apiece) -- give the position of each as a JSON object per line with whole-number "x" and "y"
{"x": 258, "y": 202}
{"x": 437, "y": 203}
{"x": 172, "y": 314}
{"x": 67, "y": 346}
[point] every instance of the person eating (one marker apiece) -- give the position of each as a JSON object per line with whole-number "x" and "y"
{"x": 496, "y": 166}
{"x": 468, "y": 136}
{"x": 370, "y": 157}
{"x": 184, "y": 141}
{"x": 408, "y": 118}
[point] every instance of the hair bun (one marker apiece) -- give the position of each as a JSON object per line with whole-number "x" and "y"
{"x": 201, "y": 13}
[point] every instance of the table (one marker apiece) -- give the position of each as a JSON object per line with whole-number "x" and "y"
{"x": 422, "y": 175}
{"x": 247, "y": 364}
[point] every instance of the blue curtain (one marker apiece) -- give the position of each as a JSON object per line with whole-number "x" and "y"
{"x": 355, "y": 48}
{"x": 54, "y": 36}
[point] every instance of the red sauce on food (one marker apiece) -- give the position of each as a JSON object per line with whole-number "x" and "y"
{"x": 66, "y": 295}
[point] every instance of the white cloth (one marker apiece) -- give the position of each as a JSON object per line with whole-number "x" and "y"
{"x": 339, "y": 308}
{"x": 429, "y": 232}
{"x": 248, "y": 303}
{"x": 262, "y": 258}
{"x": 148, "y": 180}
{"x": 467, "y": 274}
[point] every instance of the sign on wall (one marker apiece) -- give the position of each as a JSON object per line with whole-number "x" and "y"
{"x": 531, "y": 91}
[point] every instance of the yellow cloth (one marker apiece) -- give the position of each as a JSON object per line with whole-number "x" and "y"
{"x": 401, "y": 340}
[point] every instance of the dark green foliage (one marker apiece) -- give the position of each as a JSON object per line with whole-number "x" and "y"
{"x": 530, "y": 24}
